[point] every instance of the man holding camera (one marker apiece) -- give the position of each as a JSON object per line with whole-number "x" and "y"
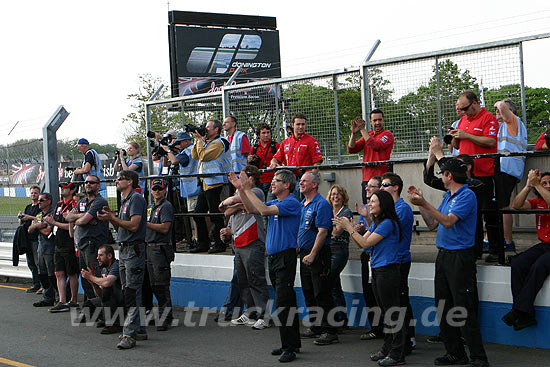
{"x": 240, "y": 145}
{"x": 212, "y": 153}
{"x": 262, "y": 154}
{"x": 477, "y": 134}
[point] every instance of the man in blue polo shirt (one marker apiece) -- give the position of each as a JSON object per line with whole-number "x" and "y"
{"x": 455, "y": 267}
{"x": 315, "y": 260}
{"x": 281, "y": 244}
{"x": 393, "y": 184}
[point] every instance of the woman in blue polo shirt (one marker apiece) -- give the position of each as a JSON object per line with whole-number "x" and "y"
{"x": 384, "y": 236}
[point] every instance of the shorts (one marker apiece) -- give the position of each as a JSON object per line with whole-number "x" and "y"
{"x": 67, "y": 262}
{"x": 504, "y": 185}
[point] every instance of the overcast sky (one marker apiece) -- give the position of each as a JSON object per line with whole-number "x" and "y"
{"x": 87, "y": 55}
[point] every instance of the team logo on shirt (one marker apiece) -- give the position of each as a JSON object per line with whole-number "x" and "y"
{"x": 149, "y": 211}
{"x": 157, "y": 212}
{"x": 384, "y": 139}
{"x": 125, "y": 209}
{"x": 287, "y": 148}
{"x": 492, "y": 130}
{"x": 82, "y": 207}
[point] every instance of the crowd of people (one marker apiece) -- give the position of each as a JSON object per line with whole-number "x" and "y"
{"x": 281, "y": 215}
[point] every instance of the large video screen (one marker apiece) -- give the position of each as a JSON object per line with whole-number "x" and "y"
{"x": 206, "y": 58}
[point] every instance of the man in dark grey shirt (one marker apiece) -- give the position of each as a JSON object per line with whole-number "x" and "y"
{"x": 131, "y": 226}
{"x": 45, "y": 251}
{"x": 160, "y": 253}
{"x": 90, "y": 232}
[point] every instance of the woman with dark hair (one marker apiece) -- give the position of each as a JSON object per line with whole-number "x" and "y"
{"x": 384, "y": 236}
{"x": 339, "y": 248}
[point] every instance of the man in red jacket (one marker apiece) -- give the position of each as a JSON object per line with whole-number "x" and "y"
{"x": 376, "y": 145}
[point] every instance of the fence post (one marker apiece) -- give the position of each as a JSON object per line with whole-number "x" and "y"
{"x": 438, "y": 93}
{"x": 336, "y": 118}
{"x": 225, "y": 103}
{"x": 278, "y": 122}
{"x": 522, "y": 81}
{"x": 51, "y": 178}
{"x": 148, "y": 128}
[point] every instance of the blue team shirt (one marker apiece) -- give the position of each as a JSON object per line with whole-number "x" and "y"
{"x": 461, "y": 235}
{"x": 316, "y": 214}
{"x": 406, "y": 218}
{"x": 386, "y": 251}
{"x": 282, "y": 230}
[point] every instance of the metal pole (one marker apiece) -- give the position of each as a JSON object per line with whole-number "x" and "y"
{"x": 438, "y": 93}
{"x": 225, "y": 94}
{"x": 523, "y": 107}
{"x": 277, "y": 113}
{"x": 364, "y": 77}
{"x": 50, "y": 151}
{"x": 8, "y": 166}
{"x": 336, "y": 117}
{"x": 148, "y": 128}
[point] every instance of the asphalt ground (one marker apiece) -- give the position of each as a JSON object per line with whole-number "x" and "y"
{"x": 33, "y": 336}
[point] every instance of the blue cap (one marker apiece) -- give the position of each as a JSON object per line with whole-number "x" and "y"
{"x": 183, "y": 135}
{"x": 83, "y": 142}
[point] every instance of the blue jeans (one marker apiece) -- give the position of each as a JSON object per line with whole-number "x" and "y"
{"x": 339, "y": 259}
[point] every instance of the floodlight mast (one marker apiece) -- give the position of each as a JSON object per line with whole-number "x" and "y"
{"x": 365, "y": 90}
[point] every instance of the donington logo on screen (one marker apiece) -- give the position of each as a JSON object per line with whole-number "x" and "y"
{"x": 233, "y": 51}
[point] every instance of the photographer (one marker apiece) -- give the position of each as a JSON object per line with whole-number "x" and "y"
{"x": 157, "y": 152}
{"x": 262, "y": 154}
{"x": 543, "y": 141}
{"x": 212, "y": 153}
{"x": 133, "y": 162}
{"x": 90, "y": 166}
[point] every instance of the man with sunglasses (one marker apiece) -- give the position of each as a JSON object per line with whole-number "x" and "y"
{"x": 45, "y": 251}
{"x": 90, "y": 232}
{"x": 131, "y": 224}
{"x": 477, "y": 133}
{"x": 160, "y": 252}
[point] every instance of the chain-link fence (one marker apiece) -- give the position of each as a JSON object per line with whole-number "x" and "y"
{"x": 417, "y": 94}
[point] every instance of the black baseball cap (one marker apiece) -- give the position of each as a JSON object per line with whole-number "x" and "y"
{"x": 454, "y": 165}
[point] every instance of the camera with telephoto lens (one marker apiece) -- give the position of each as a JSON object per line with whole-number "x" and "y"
{"x": 201, "y": 130}
{"x": 156, "y": 148}
{"x": 255, "y": 161}
{"x": 20, "y": 216}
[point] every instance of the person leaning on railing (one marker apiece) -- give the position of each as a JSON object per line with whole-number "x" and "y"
{"x": 531, "y": 267}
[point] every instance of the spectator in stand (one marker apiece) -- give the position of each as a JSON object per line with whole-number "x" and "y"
{"x": 212, "y": 153}
{"x": 531, "y": 267}
{"x": 25, "y": 219}
{"x": 543, "y": 141}
{"x": 133, "y": 163}
{"x": 240, "y": 145}
{"x": 338, "y": 198}
{"x": 264, "y": 150}
{"x": 477, "y": 134}
{"x": 512, "y": 137}
{"x": 393, "y": 184}
{"x": 298, "y": 150}
{"x": 455, "y": 281}
{"x": 376, "y": 145}
{"x": 90, "y": 166}
{"x": 384, "y": 234}
{"x": 454, "y": 125}
{"x": 365, "y": 220}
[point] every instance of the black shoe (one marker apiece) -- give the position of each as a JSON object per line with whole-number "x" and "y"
{"x": 199, "y": 249}
{"x": 378, "y": 356}
{"x": 287, "y": 357}
{"x": 525, "y": 321}
{"x": 309, "y": 334}
{"x": 450, "y": 360}
{"x": 491, "y": 258}
{"x": 216, "y": 248}
{"x": 224, "y": 316}
{"x": 434, "y": 339}
{"x": 279, "y": 351}
{"x": 43, "y": 303}
{"x": 510, "y": 318}
{"x": 165, "y": 326}
{"x": 111, "y": 330}
{"x": 326, "y": 339}
{"x": 478, "y": 363}
{"x": 389, "y": 361}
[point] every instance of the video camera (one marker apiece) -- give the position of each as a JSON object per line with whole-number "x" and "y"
{"x": 201, "y": 130}
{"x": 156, "y": 148}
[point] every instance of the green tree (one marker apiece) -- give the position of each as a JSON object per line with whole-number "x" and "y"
{"x": 162, "y": 118}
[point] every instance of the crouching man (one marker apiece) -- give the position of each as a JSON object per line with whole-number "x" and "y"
{"x": 107, "y": 288}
